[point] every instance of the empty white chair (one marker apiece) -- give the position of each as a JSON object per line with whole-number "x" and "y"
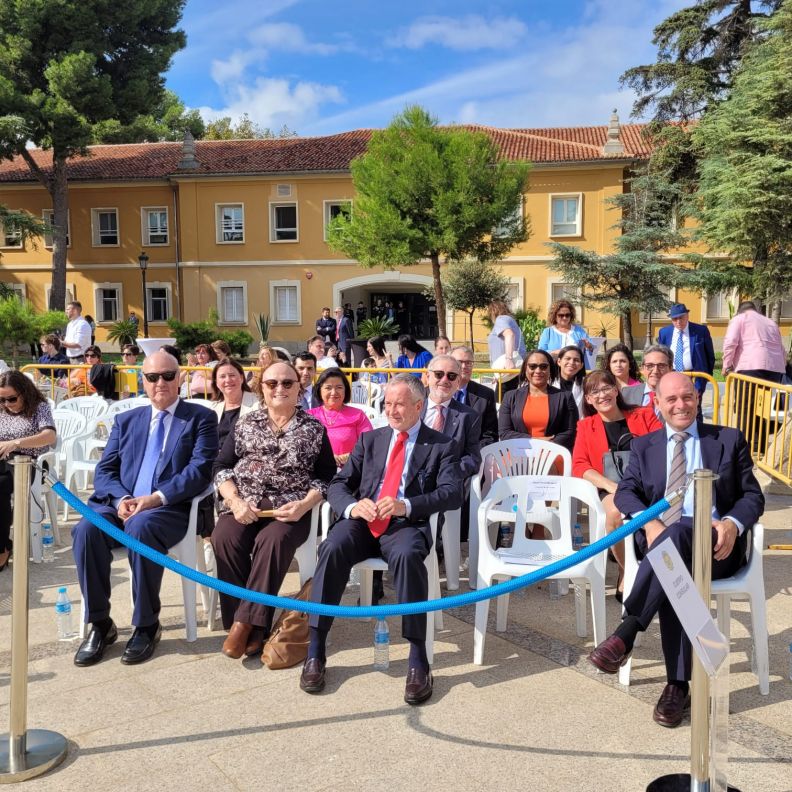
{"x": 527, "y": 555}
{"x": 124, "y": 405}
{"x": 69, "y": 424}
{"x": 89, "y": 406}
{"x": 748, "y": 584}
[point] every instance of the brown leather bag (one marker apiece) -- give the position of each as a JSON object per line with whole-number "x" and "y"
{"x": 287, "y": 644}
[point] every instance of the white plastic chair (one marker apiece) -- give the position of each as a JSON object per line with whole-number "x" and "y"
{"x": 69, "y": 424}
{"x": 519, "y": 457}
{"x": 305, "y": 555}
{"x": 89, "y": 406}
{"x": 748, "y": 584}
{"x": 366, "y": 393}
{"x": 124, "y": 405}
{"x": 185, "y": 553}
{"x": 370, "y": 412}
{"x": 526, "y": 555}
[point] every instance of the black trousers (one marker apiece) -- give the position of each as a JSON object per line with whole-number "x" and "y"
{"x": 257, "y": 557}
{"x": 6, "y": 506}
{"x": 759, "y": 428}
{"x": 648, "y": 598}
{"x": 404, "y": 547}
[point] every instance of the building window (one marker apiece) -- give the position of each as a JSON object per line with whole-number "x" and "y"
{"x": 158, "y": 301}
{"x": 232, "y": 302}
{"x": 107, "y": 297}
{"x": 155, "y": 225}
{"x": 786, "y": 307}
{"x": 517, "y": 214}
{"x": 565, "y": 215}
{"x": 720, "y": 306}
{"x": 104, "y": 226}
{"x": 566, "y": 291}
{"x": 11, "y": 239}
{"x": 514, "y": 298}
{"x": 283, "y": 190}
{"x": 333, "y": 209}
{"x": 285, "y": 302}
{"x": 660, "y": 316}
{"x": 48, "y": 216}
{"x": 19, "y": 290}
{"x": 230, "y": 223}
{"x": 283, "y": 222}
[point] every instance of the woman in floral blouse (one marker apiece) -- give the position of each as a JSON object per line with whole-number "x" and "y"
{"x": 271, "y": 472}
{"x": 26, "y": 427}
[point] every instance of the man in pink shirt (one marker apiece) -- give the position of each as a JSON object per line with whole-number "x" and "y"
{"x": 753, "y": 345}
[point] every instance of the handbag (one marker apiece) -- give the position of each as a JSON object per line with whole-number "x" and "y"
{"x": 287, "y": 644}
{"x": 615, "y": 462}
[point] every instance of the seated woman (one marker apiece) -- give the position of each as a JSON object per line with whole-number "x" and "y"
{"x": 537, "y": 409}
{"x": 222, "y": 350}
{"x": 200, "y": 385}
{"x": 620, "y": 362}
{"x": 129, "y": 355}
{"x": 561, "y": 330}
{"x": 79, "y": 381}
{"x": 609, "y": 426}
{"x": 442, "y": 346}
{"x": 272, "y": 470}
{"x": 571, "y": 373}
{"x": 26, "y": 427}
{"x": 382, "y": 358}
{"x": 413, "y": 355}
{"x": 266, "y": 357}
{"x": 343, "y": 424}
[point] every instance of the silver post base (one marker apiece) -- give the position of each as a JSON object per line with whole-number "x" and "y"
{"x": 680, "y": 782}
{"x": 45, "y": 750}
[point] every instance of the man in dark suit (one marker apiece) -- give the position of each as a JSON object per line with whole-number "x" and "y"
{"x": 326, "y": 327}
{"x": 157, "y": 459}
{"x": 344, "y": 334}
{"x": 660, "y": 463}
{"x": 395, "y": 479}
{"x": 473, "y": 394}
{"x": 691, "y": 344}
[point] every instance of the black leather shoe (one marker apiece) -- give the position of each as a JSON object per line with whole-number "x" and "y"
{"x": 140, "y": 646}
{"x": 671, "y": 706}
{"x": 92, "y": 648}
{"x": 312, "y": 679}
{"x": 610, "y": 655}
{"x": 419, "y": 686}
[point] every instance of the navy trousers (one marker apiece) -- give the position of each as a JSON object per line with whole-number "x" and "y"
{"x": 648, "y": 599}
{"x": 160, "y": 528}
{"x": 403, "y": 546}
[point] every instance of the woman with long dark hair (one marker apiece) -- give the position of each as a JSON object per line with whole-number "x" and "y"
{"x": 413, "y": 355}
{"x": 571, "y": 373}
{"x": 620, "y": 362}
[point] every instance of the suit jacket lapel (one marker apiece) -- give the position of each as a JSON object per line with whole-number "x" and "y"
{"x": 176, "y": 428}
{"x": 419, "y": 454}
{"x": 711, "y": 449}
{"x": 139, "y": 439}
{"x": 657, "y": 460}
{"x": 553, "y": 403}
{"x": 380, "y": 459}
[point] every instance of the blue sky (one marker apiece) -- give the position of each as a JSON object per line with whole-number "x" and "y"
{"x": 322, "y": 67}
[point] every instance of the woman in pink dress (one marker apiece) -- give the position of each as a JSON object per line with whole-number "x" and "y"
{"x": 344, "y": 424}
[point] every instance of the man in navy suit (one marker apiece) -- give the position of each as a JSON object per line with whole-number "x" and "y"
{"x": 344, "y": 333}
{"x": 157, "y": 459}
{"x": 475, "y": 395}
{"x": 660, "y": 461}
{"x": 419, "y": 467}
{"x": 691, "y": 344}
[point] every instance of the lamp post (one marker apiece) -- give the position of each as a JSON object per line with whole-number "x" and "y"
{"x": 143, "y": 260}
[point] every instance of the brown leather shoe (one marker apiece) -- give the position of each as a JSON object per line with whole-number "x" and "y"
{"x": 419, "y": 686}
{"x": 237, "y": 640}
{"x": 610, "y": 655}
{"x": 312, "y": 679}
{"x": 255, "y": 642}
{"x": 671, "y": 706}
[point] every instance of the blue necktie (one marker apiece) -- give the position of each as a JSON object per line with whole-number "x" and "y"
{"x": 144, "y": 484}
{"x": 460, "y": 396}
{"x": 679, "y": 353}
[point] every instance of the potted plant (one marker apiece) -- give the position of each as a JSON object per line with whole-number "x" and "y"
{"x": 262, "y": 324}
{"x": 123, "y": 331}
{"x": 369, "y": 328}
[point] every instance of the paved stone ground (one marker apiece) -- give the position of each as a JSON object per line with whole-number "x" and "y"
{"x": 536, "y": 715}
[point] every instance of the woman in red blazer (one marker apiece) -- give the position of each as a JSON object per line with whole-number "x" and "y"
{"x": 609, "y": 425}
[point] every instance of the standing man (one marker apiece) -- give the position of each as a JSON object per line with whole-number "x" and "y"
{"x": 78, "y": 334}
{"x": 657, "y": 361}
{"x": 691, "y": 344}
{"x": 326, "y": 327}
{"x": 157, "y": 459}
{"x": 753, "y": 345}
{"x": 361, "y": 311}
{"x": 305, "y": 366}
{"x": 344, "y": 335}
{"x": 659, "y": 465}
{"x": 133, "y": 317}
{"x": 395, "y": 479}
{"x": 473, "y": 394}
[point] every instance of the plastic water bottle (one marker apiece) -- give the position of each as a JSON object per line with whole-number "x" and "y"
{"x": 580, "y": 593}
{"x": 555, "y": 589}
{"x": 577, "y": 537}
{"x": 63, "y": 615}
{"x": 47, "y": 543}
{"x": 381, "y": 645}
{"x": 505, "y": 535}
{"x": 354, "y": 577}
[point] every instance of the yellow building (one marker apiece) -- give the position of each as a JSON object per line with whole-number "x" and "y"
{"x": 240, "y": 226}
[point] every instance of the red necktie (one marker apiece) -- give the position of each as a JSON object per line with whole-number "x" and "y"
{"x": 651, "y": 399}
{"x": 439, "y": 421}
{"x": 390, "y": 484}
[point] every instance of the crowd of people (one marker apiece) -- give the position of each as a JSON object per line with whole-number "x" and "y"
{"x": 285, "y": 437}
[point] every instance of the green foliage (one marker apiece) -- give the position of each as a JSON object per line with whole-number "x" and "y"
{"x": 246, "y": 129}
{"x": 28, "y": 226}
{"x": 238, "y": 340}
{"x": 531, "y": 326}
{"x": 744, "y": 204}
{"x": 262, "y": 322}
{"x": 423, "y": 192}
{"x": 20, "y": 324}
{"x": 470, "y": 285}
{"x": 123, "y": 331}
{"x": 189, "y": 334}
{"x": 377, "y": 326}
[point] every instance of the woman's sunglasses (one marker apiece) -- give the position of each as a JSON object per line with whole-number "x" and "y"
{"x": 153, "y": 376}
{"x": 9, "y": 399}
{"x": 563, "y": 316}
{"x": 540, "y": 366}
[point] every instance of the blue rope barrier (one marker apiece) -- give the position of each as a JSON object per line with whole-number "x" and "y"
{"x": 361, "y": 611}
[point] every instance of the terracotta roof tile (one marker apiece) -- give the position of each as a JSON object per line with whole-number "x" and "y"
{"x": 147, "y": 161}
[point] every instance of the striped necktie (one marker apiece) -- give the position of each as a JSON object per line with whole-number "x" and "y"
{"x": 676, "y": 476}
{"x": 679, "y": 352}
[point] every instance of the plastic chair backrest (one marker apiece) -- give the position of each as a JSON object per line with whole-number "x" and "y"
{"x": 522, "y": 457}
{"x": 117, "y": 407}
{"x": 360, "y": 393}
{"x": 68, "y": 424}
{"x": 89, "y": 406}
{"x": 370, "y": 412}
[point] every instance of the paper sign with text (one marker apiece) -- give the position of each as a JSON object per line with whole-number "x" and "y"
{"x": 544, "y": 488}
{"x": 708, "y": 642}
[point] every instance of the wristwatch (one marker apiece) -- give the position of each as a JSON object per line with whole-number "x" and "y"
{"x": 17, "y": 444}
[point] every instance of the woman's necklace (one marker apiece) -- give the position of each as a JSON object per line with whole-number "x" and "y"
{"x": 279, "y": 427}
{"x": 330, "y": 416}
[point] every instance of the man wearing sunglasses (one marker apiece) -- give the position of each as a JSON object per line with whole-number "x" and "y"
{"x": 156, "y": 460}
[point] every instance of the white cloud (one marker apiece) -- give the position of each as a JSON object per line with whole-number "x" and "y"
{"x": 287, "y": 37}
{"x": 471, "y": 32}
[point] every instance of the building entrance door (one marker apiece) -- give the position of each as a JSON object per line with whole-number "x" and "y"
{"x": 414, "y": 313}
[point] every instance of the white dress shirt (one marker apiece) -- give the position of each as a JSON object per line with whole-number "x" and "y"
{"x": 78, "y": 331}
{"x": 687, "y": 360}
{"x": 431, "y": 411}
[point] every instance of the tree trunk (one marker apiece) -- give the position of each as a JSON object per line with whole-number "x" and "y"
{"x": 775, "y": 311}
{"x": 438, "y": 290}
{"x": 59, "y": 192}
{"x": 627, "y": 329}
{"x": 471, "y": 330}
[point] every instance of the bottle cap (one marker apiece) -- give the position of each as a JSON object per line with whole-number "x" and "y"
{"x": 62, "y": 590}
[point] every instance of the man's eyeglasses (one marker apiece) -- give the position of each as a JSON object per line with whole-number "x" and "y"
{"x": 127, "y": 354}
{"x": 563, "y": 316}
{"x": 153, "y": 376}
{"x": 450, "y": 375}
{"x": 9, "y": 399}
{"x": 540, "y": 366}
{"x": 89, "y": 355}
{"x": 656, "y": 366}
{"x": 464, "y": 362}
{"x": 286, "y": 384}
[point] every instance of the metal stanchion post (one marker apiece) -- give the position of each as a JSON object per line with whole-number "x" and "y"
{"x": 24, "y": 754}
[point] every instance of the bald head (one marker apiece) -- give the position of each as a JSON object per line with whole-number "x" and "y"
{"x": 160, "y": 361}
{"x": 677, "y": 400}
{"x": 674, "y": 379}
{"x": 162, "y": 392}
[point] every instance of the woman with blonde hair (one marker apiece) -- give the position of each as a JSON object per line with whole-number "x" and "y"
{"x": 266, "y": 357}
{"x": 561, "y": 330}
